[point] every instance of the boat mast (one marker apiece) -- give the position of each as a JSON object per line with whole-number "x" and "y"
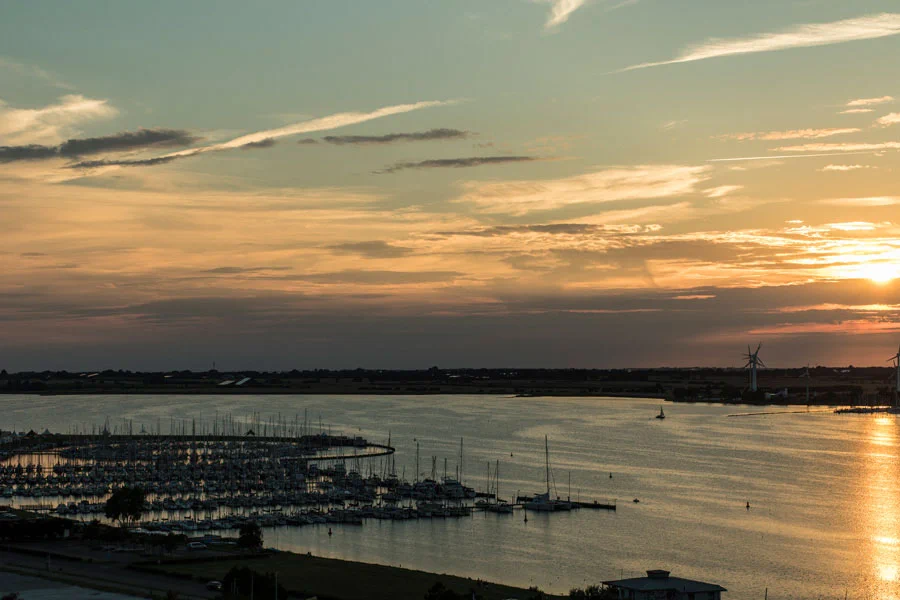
{"x": 547, "y": 457}
{"x": 459, "y": 474}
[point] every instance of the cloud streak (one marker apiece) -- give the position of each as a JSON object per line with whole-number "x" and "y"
{"x": 119, "y": 142}
{"x": 843, "y": 168}
{"x": 795, "y": 134}
{"x": 390, "y": 138}
{"x": 457, "y": 163}
{"x": 269, "y": 135}
{"x": 869, "y": 101}
{"x": 840, "y": 148}
{"x": 789, "y": 149}
{"x": 801, "y": 36}
{"x": 863, "y": 202}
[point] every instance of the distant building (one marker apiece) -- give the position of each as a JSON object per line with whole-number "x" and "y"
{"x": 658, "y": 585}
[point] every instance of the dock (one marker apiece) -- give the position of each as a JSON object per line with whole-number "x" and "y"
{"x": 595, "y": 504}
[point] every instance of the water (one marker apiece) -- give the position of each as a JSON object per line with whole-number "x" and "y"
{"x": 824, "y": 518}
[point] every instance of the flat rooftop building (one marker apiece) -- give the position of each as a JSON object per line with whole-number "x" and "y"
{"x": 659, "y": 585}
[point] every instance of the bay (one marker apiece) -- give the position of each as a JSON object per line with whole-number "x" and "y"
{"x": 824, "y": 516}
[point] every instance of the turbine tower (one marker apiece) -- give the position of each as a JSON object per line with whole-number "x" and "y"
{"x": 895, "y": 359}
{"x": 753, "y": 361}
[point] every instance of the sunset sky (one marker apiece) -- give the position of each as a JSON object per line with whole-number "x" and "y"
{"x": 407, "y": 183}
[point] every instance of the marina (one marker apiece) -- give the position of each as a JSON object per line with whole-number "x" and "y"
{"x": 212, "y": 478}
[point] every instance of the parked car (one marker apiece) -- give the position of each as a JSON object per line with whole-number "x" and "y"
{"x": 214, "y": 586}
{"x": 196, "y": 546}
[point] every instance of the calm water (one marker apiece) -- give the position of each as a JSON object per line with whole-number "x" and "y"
{"x": 824, "y": 517}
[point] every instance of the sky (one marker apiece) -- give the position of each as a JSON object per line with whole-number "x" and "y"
{"x": 408, "y": 183}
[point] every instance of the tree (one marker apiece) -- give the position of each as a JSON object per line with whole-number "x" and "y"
{"x": 440, "y": 592}
{"x": 593, "y": 592}
{"x": 240, "y": 582}
{"x": 126, "y": 503}
{"x": 250, "y": 537}
{"x": 536, "y": 593}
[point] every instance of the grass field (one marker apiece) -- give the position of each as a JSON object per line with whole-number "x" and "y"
{"x": 335, "y": 579}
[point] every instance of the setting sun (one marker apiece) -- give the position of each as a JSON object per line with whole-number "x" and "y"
{"x": 882, "y": 272}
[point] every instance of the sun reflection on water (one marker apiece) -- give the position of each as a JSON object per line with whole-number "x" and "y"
{"x": 882, "y": 509}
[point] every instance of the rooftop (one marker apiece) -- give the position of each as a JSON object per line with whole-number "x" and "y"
{"x": 660, "y": 580}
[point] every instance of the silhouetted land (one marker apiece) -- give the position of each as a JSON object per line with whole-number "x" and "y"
{"x": 827, "y": 385}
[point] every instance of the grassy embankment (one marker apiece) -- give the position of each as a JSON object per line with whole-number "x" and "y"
{"x": 335, "y": 579}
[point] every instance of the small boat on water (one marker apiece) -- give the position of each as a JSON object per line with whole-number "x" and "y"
{"x": 661, "y": 414}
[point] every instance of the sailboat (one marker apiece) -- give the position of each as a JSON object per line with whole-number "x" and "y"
{"x": 499, "y": 506}
{"x": 543, "y": 502}
{"x": 661, "y": 414}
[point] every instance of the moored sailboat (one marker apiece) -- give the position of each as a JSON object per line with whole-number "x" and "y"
{"x": 543, "y": 502}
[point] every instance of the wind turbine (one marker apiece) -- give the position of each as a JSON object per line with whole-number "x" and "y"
{"x": 753, "y": 361}
{"x": 895, "y": 359}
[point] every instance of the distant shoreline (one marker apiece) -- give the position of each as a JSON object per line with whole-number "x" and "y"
{"x": 251, "y": 391}
{"x": 818, "y": 386}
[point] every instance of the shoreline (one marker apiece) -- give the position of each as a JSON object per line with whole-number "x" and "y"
{"x": 495, "y": 393}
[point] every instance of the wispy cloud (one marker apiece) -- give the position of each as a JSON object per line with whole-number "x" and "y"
{"x": 844, "y": 168}
{"x": 15, "y": 66}
{"x": 722, "y": 191}
{"x": 560, "y": 11}
{"x": 810, "y": 134}
{"x": 869, "y": 101}
{"x": 856, "y": 111}
{"x": 390, "y": 138}
{"x": 783, "y": 156}
{"x": 321, "y": 124}
{"x": 872, "y": 202}
{"x": 457, "y": 163}
{"x": 889, "y": 120}
{"x": 610, "y": 185}
{"x": 846, "y": 147}
{"x": 674, "y": 124}
{"x": 51, "y": 124}
{"x": 800, "y": 36}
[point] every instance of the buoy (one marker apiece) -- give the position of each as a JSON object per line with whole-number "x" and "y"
{"x": 748, "y": 506}
{"x": 329, "y": 531}
{"x": 610, "y": 475}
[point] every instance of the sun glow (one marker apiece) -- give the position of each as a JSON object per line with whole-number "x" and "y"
{"x": 880, "y": 272}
